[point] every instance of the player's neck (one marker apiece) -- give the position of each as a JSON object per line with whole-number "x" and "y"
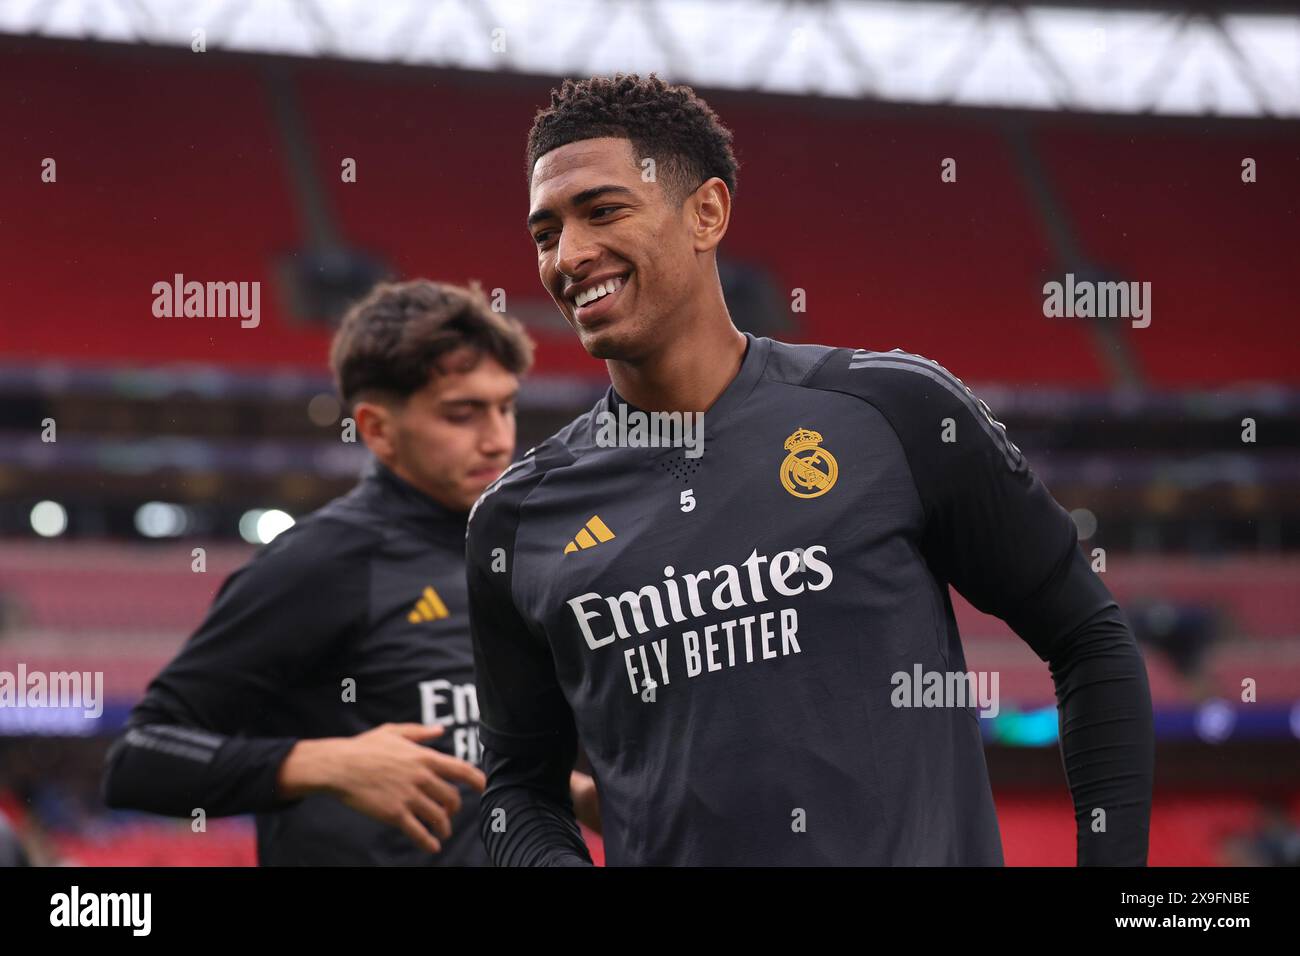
{"x": 686, "y": 376}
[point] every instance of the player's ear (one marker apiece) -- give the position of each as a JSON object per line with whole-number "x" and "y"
{"x": 376, "y": 424}
{"x": 710, "y": 212}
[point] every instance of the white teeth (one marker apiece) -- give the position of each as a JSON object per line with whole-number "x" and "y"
{"x": 598, "y": 291}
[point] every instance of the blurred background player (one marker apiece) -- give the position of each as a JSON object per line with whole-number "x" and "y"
{"x": 324, "y": 665}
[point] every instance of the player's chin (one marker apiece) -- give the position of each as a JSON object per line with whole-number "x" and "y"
{"x": 609, "y": 340}
{"x": 476, "y": 482}
{"x": 479, "y": 480}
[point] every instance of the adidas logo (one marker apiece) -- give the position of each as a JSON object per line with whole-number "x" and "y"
{"x": 428, "y": 608}
{"x": 593, "y": 533}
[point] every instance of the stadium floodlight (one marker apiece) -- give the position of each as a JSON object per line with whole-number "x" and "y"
{"x": 1085, "y": 521}
{"x": 1214, "y": 721}
{"x": 1191, "y": 61}
{"x": 160, "y": 519}
{"x": 49, "y": 519}
{"x": 264, "y": 525}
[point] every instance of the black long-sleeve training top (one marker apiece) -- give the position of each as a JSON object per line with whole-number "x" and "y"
{"x": 725, "y": 634}
{"x": 354, "y": 617}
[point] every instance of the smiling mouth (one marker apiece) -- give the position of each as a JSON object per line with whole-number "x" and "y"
{"x": 593, "y": 303}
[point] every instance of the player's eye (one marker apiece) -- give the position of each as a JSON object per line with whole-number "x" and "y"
{"x": 540, "y": 238}
{"x": 600, "y": 209}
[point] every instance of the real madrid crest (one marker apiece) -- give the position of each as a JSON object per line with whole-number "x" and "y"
{"x": 809, "y": 470}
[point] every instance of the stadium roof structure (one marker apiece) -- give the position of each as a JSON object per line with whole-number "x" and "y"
{"x": 1193, "y": 60}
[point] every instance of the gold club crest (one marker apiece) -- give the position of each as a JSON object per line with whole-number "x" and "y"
{"x": 808, "y": 471}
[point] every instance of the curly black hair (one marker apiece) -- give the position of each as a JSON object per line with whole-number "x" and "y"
{"x": 670, "y": 124}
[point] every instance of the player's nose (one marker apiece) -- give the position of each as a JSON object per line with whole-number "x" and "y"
{"x": 575, "y": 252}
{"x": 497, "y": 438}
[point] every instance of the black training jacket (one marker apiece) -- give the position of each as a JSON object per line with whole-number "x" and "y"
{"x": 725, "y": 634}
{"x": 354, "y": 617}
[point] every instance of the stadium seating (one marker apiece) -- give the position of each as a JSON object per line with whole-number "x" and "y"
{"x": 841, "y": 200}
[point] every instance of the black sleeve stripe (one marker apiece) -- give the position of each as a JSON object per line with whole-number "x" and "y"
{"x": 147, "y": 738}
{"x": 198, "y": 738}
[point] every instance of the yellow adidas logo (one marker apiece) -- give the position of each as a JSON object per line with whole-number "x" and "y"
{"x": 595, "y": 532}
{"x": 428, "y": 608}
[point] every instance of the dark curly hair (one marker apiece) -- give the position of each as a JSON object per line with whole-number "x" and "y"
{"x": 670, "y": 124}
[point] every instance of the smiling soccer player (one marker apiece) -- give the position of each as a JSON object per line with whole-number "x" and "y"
{"x": 721, "y": 633}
